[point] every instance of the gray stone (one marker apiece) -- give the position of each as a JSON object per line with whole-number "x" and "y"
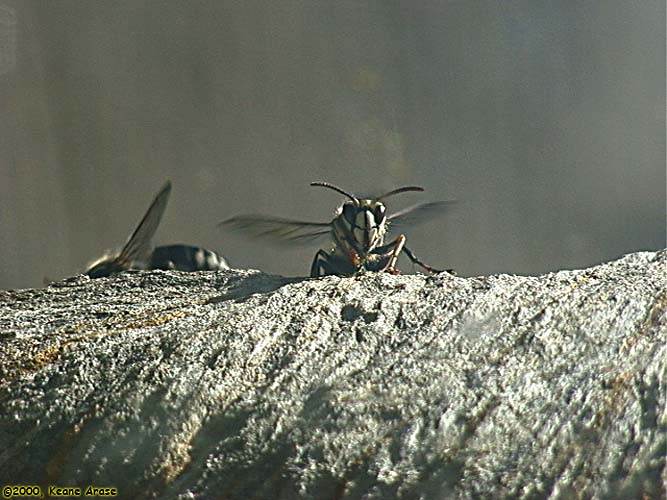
{"x": 237, "y": 384}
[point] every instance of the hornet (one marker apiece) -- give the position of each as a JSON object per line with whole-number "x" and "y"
{"x": 358, "y": 230}
{"x": 138, "y": 252}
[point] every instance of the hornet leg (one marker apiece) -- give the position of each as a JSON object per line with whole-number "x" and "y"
{"x": 414, "y": 259}
{"x": 389, "y": 254}
{"x": 325, "y": 264}
{"x": 399, "y": 245}
{"x": 321, "y": 263}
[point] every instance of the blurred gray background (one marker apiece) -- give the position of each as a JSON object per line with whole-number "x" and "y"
{"x": 545, "y": 119}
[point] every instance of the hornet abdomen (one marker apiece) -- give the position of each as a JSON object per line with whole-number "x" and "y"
{"x": 186, "y": 258}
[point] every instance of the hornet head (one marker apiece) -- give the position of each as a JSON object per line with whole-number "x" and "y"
{"x": 362, "y": 223}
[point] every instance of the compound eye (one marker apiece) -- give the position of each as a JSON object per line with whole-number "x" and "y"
{"x": 349, "y": 212}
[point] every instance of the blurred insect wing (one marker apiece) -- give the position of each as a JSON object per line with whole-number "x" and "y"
{"x": 421, "y": 212}
{"x": 138, "y": 247}
{"x": 278, "y": 228}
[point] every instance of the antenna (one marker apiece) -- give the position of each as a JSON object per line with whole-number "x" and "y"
{"x": 399, "y": 190}
{"x": 335, "y": 188}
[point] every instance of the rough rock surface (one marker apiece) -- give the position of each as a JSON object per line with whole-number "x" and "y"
{"x": 237, "y": 384}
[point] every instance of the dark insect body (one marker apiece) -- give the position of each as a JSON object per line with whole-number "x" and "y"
{"x": 358, "y": 231}
{"x": 138, "y": 252}
{"x": 186, "y": 258}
